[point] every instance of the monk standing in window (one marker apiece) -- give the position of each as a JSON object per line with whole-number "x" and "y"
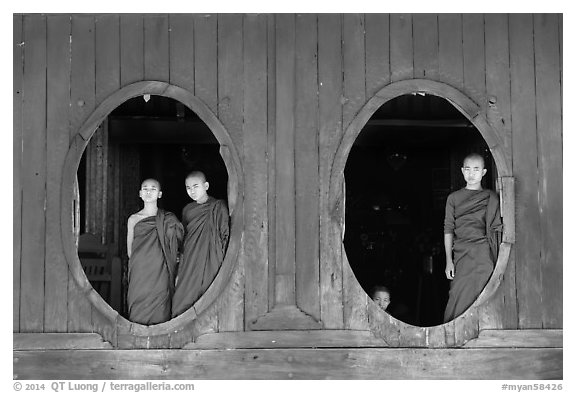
{"x": 154, "y": 236}
{"x": 205, "y": 221}
{"x": 472, "y": 228}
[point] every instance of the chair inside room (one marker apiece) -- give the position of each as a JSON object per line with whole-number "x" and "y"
{"x": 103, "y": 270}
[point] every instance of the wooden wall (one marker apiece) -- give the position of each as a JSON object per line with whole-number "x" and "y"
{"x": 286, "y": 87}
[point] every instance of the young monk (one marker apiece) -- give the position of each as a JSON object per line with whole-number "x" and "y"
{"x": 205, "y": 221}
{"x": 381, "y": 296}
{"x": 472, "y": 228}
{"x": 154, "y": 236}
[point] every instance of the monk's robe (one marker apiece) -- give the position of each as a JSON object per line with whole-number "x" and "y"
{"x": 152, "y": 268}
{"x": 473, "y": 217}
{"x": 205, "y": 242}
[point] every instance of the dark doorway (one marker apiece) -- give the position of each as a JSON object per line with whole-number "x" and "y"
{"x": 156, "y": 137}
{"x": 401, "y": 168}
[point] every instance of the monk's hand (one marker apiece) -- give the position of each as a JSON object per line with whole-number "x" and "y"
{"x": 449, "y": 270}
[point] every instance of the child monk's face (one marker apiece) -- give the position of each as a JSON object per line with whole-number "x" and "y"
{"x": 197, "y": 188}
{"x": 150, "y": 190}
{"x": 473, "y": 171}
{"x": 382, "y": 299}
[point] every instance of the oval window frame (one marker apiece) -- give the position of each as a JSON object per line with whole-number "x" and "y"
{"x": 473, "y": 112}
{"x": 235, "y": 202}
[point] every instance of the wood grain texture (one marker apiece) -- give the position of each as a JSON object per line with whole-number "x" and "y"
{"x": 330, "y": 131}
{"x": 271, "y": 150}
{"x": 526, "y": 338}
{"x": 33, "y": 176}
{"x": 306, "y": 167}
{"x": 503, "y": 307}
{"x": 57, "y": 141}
{"x": 371, "y": 363}
{"x": 474, "y": 57}
{"x": 17, "y": 113}
{"x": 230, "y": 112}
{"x": 206, "y": 60}
{"x": 255, "y": 147}
{"x": 401, "y": 47}
{"x": 450, "y": 50}
{"x": 377, "y": 38}
{"x": 285, "y": 198}
{"x": 107, "y": 55}
{"x": 549, "y": 131}
{"x": 523, "y": 117}
{"x": 82, "y": 103}
{"x": 131, "y": 49}
{"x": 288, "y": 339}
{"x": 425, "y": 27}
{"x": 67, "y": 341}
{"x": 182, "y": 51}
{"x": 156, "y": 48}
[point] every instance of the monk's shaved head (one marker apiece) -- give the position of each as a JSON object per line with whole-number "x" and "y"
{"x": 151, "y": 181}
{"x": 474, "y": 156}
{"x": 198, "y": 174}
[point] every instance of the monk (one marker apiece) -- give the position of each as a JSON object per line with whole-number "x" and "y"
{"x": 154, "y": 237}
{"x": 472, "y": 228}
{"x": 205, "y": 221}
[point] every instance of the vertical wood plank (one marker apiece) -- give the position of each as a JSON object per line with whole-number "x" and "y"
{"x": 205, "y": 60}
{"x": 33, "y": 175}
{"x": 401, "y": 47}
{"x": 355, "y": 299}
{"x": 523, "y": 116}
{"x": 255, "y": 164}
{"x": 182, "y": 51}
{"x": 131, "y": 49}
{"x": 425, "y": 27}
{"x": 82, "y": 103}
{"x": 156, "y": 48}
{"x": 230, "y": 111}
{"x": 58, "y": 99}
{"x": 549, "y": 131}
{"x": 17, "y": 84}
{"x": 450, "y": 53}
{"x": 271, "y": 145}
{"x": 107, "y": 55}
{"x": 306, "y": 168}
{"x": 330, "y": 131}
{"x": 206, "y": 89}
{"x": 503, "y": 308}
{"x": 285, "y": 198}
{"x": 377, "y": 34}
{"x": 474, "y": 57}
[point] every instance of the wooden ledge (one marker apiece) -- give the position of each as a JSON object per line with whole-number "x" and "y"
{"x": 528, "y": 338}
{"x": 41, "y": 341}
{"x": 288, "y": 339}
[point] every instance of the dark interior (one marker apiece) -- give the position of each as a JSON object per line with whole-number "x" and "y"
{"x": 401, "y": 168}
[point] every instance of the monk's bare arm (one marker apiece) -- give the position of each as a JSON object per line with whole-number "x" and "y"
{"x": 448, "y": 242}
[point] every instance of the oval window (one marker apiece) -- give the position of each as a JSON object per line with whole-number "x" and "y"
{"x": 145, "y": 137}
{"x": 400, "y": 170}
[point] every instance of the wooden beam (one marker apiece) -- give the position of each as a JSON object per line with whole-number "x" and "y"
{"x": 549, "y": 133}
{"x": 329, "y": 363}
{"x": 288, "y": 339}
{"x": 17, "y": 107}
{"x": 131, "y": 49}
{"x": 60, "y": 341}
{"x": 255, "y": 145}
{"x": 33, "y": 175}
{"x": 57, "y": 142}
{"x": 306, "y": 166}
{"x": 529, "y": 338}
{"x": 377, "y": 35}
{"x": 330, "y": 131}
{"x": 156, "y": 48}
